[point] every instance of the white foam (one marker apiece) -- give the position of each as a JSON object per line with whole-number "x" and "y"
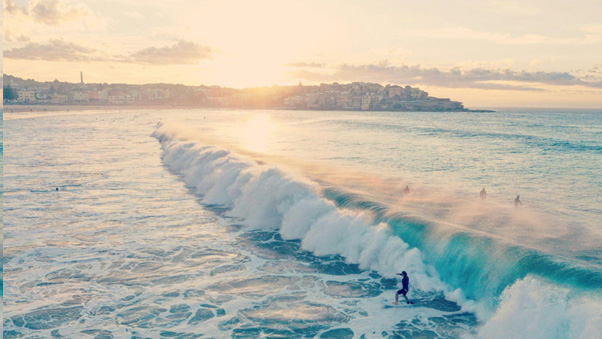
{"x": 531, "y": 308}
{"x": 264, "y": 196}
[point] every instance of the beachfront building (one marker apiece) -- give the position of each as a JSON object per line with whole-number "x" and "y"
{"x": 59, "y": 98}
{"x": 80, "y": 97}
{"x": 27, "y": 96}
{"x": 98, "y": 96}
{"x": 117, "y": 97}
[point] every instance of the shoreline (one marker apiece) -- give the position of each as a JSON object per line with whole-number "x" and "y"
{"x": 11, "y": 108}
{"x": 67, "y": 108}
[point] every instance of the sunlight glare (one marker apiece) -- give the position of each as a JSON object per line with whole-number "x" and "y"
{"x": 257, "y": 133}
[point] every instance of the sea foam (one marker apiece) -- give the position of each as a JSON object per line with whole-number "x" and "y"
{"x": 263, "y": 196}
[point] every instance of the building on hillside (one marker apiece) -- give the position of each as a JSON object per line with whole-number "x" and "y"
{"x": 395, "y": 91}
{"x": 98, "y": 96}
{"x": 59, "y": 98}
{"x": 366, "y": 102}
{"x": 117, "y": 97}
{"x": 295, "y": 102}
{"x": 27, "y": 96}
{"x": 344, "y": 100}
{"x": 80, "y": 97}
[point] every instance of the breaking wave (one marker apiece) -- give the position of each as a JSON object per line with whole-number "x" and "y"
{"x": 512, "y": 289}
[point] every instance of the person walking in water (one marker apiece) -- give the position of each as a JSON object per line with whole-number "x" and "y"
{"x": 483, "y": 194}
{"x": 406, "y": 190}
{"x": 517, "y": 202}
{"x": 405, "y": 281}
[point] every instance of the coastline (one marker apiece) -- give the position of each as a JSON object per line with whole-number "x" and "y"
{"x": 66, "y": 108}
{"x": 11, "y": 108}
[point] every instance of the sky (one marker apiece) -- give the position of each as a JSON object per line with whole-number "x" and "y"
{"x": 487, "y": 53}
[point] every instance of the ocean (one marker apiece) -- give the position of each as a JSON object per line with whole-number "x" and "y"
{"x": 196, "y": 223}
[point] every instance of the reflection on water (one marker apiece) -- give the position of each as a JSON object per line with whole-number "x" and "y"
{"x": 257, "y": 133}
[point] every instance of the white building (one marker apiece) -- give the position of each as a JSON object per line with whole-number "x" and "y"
{"x": 395, "y": 90}
{"x": 366, "y": 101}
{"x": 119, "y": 98}
{"x": 59, "y": 98}
{"x": 80, "y": 96}
{"x": 27, "y": 96}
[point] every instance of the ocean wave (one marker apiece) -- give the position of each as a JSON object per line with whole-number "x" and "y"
{"x": 484, "y": 276}
{"x": 531, "y": 308}
{"x": 266, "y": 197}
{"x": 540, "y": 142}
{"x": 482, "y": 266}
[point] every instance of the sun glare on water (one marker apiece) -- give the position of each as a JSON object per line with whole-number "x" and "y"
{"x": 257, "y": 133}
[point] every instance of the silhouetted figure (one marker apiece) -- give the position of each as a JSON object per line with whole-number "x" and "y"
{"x": 483, "y": 194}
{"x": 406, "y": 190}
{"x": 517, "y": 202}
{"x": 405, "y": 281}
{"x": 57, "y": 188}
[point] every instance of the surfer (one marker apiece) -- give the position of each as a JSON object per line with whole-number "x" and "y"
{"x": 483, "y": 194}
{"x": 406, "y": 190}
{"x": 517, "y": 201}
{"x": 405, "y": 281}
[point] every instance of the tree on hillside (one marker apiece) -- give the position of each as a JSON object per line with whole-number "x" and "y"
{"x": 9, "y": 93}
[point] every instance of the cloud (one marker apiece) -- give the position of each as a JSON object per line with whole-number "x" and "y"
{"x": 48, "y": 12}
{"x": 594, "y": 29}
{"x": 11, "y": 8}
{"x": 588, "y": 35}
{"x": 55, "y": 12}
{"x": 183, "y": 52}
{"x": 480, "y": 78}
{"x": 55, "y": 50}
{"x": 516, "y": 8}
{"x": 134, "y": 15}
{"x": 48, "y": 18}
{"x": 306, "y": 65}
{"x": 463, "y": 33}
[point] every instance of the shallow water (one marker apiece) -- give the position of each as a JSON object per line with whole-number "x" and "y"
{"x": 289, "y": 224}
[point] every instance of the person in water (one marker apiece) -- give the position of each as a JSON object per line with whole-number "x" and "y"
{"x": 405, "y": 281}
{"x": 483, "y": 194}
{"x": 517, "y": 201}
{"x": 406, "y": 190}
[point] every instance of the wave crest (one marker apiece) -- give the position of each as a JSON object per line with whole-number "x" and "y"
{"x": 264, "y": 196}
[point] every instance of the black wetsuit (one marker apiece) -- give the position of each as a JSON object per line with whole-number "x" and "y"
{"x": 404, "y": 282}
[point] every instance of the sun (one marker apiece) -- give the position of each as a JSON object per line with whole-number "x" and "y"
{"x": 254, "y": 40}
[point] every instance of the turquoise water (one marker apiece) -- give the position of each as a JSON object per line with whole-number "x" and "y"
{"x": 195, "y": 223}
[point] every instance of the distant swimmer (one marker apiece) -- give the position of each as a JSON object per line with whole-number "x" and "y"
{"x": 406, "y": 190}
{"x": 483, "y": 194}
{"x": 404, "y": 288}
{"x": 517, "y": 201}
